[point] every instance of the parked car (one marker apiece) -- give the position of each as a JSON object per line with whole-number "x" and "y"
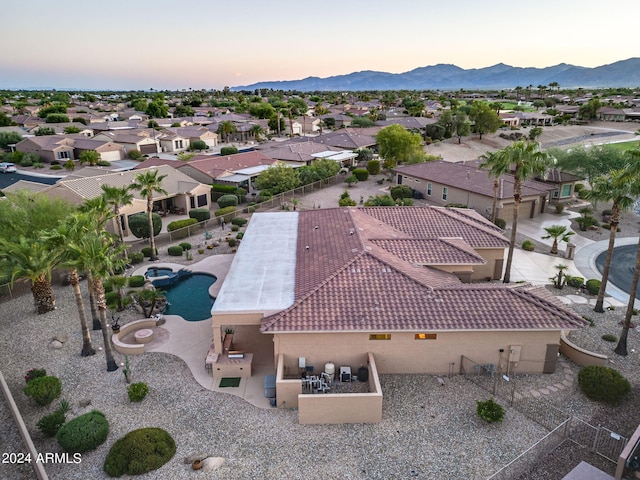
{"x": 7, "y": 167}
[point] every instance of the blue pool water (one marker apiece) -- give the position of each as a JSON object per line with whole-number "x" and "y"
{"x": 188, "y": 296}
{"x": 158, "y": 272}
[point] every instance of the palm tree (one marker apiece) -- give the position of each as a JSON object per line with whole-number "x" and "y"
{"x": 32, "y": 259}
{"x": 65, "y": 235}
{"x": 148, "y": 183}
{"x": 559, "y": 233}
{"x": 226, "y": 128}
{"x": 117, "y": 197}
{"x": 257, "y": 132}
{"x": 523, "y": 160}
{"x": 611, "y": 188}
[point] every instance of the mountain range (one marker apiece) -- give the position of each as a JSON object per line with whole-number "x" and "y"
{"x": 625, "y": 73}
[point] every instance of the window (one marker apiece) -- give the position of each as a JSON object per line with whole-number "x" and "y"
{"x": 192, "y": 202}
{"x": 566, "y": 190}
{"x": 380, "y": 336}
{"x": 556, "y": 194}
{"x": 178, "y": 143}
{"x": 63, "y": 155}
{"x": 445, "y": 192}
{"x": 425, "y": 336}
{"x": 202, "y": 200}
{"x": 429, "y": 188}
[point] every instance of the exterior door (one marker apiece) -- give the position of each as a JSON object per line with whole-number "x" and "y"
{"x": 551, "y": 358}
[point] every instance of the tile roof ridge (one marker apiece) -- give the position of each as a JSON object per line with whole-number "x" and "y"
{"x": 467, "y": 220}
{"x": 456, "y": 245}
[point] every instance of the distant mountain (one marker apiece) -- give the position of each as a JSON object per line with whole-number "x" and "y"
{"x": 625, "y": 73}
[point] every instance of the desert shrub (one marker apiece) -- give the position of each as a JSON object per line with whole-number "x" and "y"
{"x": 103, "y": 163}
{"x": 401, "y": 191}
{"x": 380, "y": 201}
{"x": 501, "y": 223}
{"x": 185, "y": 246}
{"x": 44, "y": 389}
{"x": 139, "y": 226}
{"x": 490, "y": 410}
{"x": 175, "y": 251}
{"x": 235, "y": 228}
{"x": 590, "y": 320}
{"x": 146, "y": 251}
{"x": 137, "y": 391}
{"x": 232, "y": 242}
{"x": 83, "y": 433}
{"x": 136, "y": 281}
{"x": 240, "y": 235}
{"x": 135, "y": 154}
{"x": 35, "y": 373}
{"x": 606, "y": 226}
{"x": 179, "y": 224}
{"x": 50, "y": 424}
{"x": 200, "y": 214}
{"x": 361, "y": 174}
{"x": 139, "y": 451}
{"x": 575, "y": 282}
{"x": 607, "y": 337}
{"x": 606, "y": 212}
{"x": 603, "y": 384}
{"x": 559, "y": 208}
{"x": 228, "y": 201}
{"x": 111, "y": 298}
{"x": 228, "y": 150}
{"x": 578, "y": 187}
{"x": 56, "y": 167}
{"x": 528, "y": 246}
{"x": 239, "y": 221}
{"x": 373, "y": 167}
{"x": 199, "y": 145}
{"x": 221, "y": 188}
{"x": 404, "y": 202}
{"x": 226, "y": 213}
{"x": 593, "y": 286}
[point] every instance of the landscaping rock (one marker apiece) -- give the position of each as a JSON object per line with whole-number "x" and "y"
{"x": 61, "y": 338}
{"x": 212, "y": 463}
{"x": 188, "y": 460}
{"x": 56, "y": 345}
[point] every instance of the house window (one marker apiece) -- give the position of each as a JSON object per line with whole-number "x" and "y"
{"x": 380, "y": 336}
{"x": 445, "y": 193}
{"x": 63, "y": 155}
{"x": 425, "y": 336}
{"x": 429, "y": 188}
{"x": 178, "y": 143}
{"x": 556, "y": 194}
{"x": 202, "y": 200}
{"x": 566, "y": 190}
{"x": 192, "y": 202}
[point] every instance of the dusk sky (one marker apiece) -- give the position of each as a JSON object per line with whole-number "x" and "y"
{"x": 162, "y": 44}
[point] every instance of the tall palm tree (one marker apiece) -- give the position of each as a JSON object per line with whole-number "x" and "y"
{"x": 117, "y": 197}
{"x": 149, "y": 183}
{"x": 523, "y": 160}
{"x": 99, "y": 254}
{"x": 32, "y": 259}
{"x": 559, "y": 233}
{"x": 70, "y": 233}
{"x": 227, "y": 128}
{"x": 616, "y": 189}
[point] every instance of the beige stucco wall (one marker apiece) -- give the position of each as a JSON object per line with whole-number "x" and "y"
{"x": 491, "y": 255}
{"x": 222, "y": 320}
{"x": 579, "y": 355}
{"x": 403, "y": 354}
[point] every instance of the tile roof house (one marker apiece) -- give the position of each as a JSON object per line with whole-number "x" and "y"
{"x": 383, "y": 287}
{"x": 296, "y": 153}
{"x": 446, "y": 183}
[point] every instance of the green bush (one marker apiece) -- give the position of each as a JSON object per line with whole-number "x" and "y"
{"x": 35, "y": 373}
{"x": 593, "y": 286}
{"x": 361, "y": 174}
{"x": 239, "y": 221}
{"x": 490, "y": 410}
{"x": 603, "y": 384}
{"x": 83, "y": 433}
{"x": 373, "y": 167}
{"x": 135, "y": 154}
{"x": 175, "y": 251}
{"x": 606, "y": 212}
{"x": 239, "y": 235}
{"x": 136, "y": 281}
{"x": 401, "y": 191}
{"x": 200, "y": 214}
{"x": 185, "y": 246}
{"x": 405, "y": 202}
{"x": 139, "y": 451}
{"x": 528, "y": 246}
{"x": 606, "y": 226}
{"x": 50, "y": 424}
{"x": 607, "y": 337}
{"x": 232, "y": 242}
{"x": 146, "y": 251}
{"x": 380, "y": 201}
{"x": 575, "y": 282}
{"x": 137, "y": 391}
{"x": 235, "y": 228}
{"x": 228, "y": 201}
{"x": 179, "y": 224}
{"x": 228, "y": 150}
{"x": 218, "y": 187}
{"x": 559, "y": 208}
{"x": 199, "y": 145}
{"x": 111, "y": 298}
{"x": 136, "y": 257}
{"x": 346, "y": 200}
{"x": 227, "y": 213}
{"x": 44, "y": 389}
{"x": 56, "y": 167}
{"x": 139, "y": 225}
{"x": 500, "y": 223}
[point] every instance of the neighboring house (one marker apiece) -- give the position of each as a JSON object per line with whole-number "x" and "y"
{"x": 298, "y": 153}
{"x": 109, "y": 151}
{"x": 59, "y": 128}
{"x": 608, "y": 114}
{"x": 172, "y": 142}
{"x": 49, "y": 147}
{"x": 510, "y": 119}
{"x": 445, "y": 183}
{"x": 145, "y": 141}
{"x": 383, "y": 288}
{"x": 564, "y": 184}
{"x": 183, "y": 193}
{"x": 347, "y": 139}
{"x": 193, "y": 133}
{"x": 534, "y": 118}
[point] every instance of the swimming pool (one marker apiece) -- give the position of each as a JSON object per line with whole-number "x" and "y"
{"x": 623, "y": 263}
{"x": 158, "y": 272}
{"x": 188, "y": 296}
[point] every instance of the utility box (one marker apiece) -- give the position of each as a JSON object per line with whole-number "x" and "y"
{"x": 270, "y": 386}
{"x": 571, "y": 251}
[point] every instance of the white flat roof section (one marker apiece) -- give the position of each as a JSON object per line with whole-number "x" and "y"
{"x": 263, "y": 273}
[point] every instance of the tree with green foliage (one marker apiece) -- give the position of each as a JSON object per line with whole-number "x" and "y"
{"x": 589, "y": 111}
{"x": 461, "y": 125}
{"x": 56, "y": 118}
{"x": 535, "y": 133}
{"x": 56, "y": 108}
{"x": 89, "y": 156}
{"x": 5, "y": 120}
{"x": 396, "y": 144}
{"x": 446, "y": 121}
{"x": 361, "y": 122}
{"x": 591, "y": 162}
{"x": 523, "y": 160}
{"x": 559, "y": 233}
{"x": 71, "y": 129}
{"x": 226, "y": 128}
{"x": 9, "y": 138}
{"x": 42, "y": 131}
{"x": 278, "y": 178}
{"x": 149, "y": 183}
{"x": 318, "y": 170}
{"x": 198, "y": 145}
{"x": 262, "y": 110}
{"x": 183, "y": 111}
{"x": 485, "y": 119}
{"x": 117, "y": 197}
{"x": 229, "y": 150}
{"x": 26, "y": 214}
{"x": 157, "y": 109}
{"x": 351, "y": 180}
